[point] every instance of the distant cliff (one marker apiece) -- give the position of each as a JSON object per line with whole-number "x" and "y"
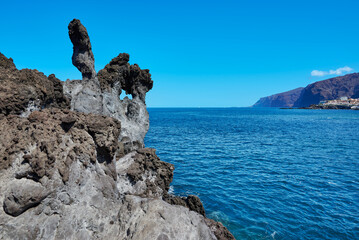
{"x": 285, "y": 99}
{"x": 329, "y": 89}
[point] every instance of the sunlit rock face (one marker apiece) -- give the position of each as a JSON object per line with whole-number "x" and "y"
{"x": 100, "y": 93}
{"x": 72, "y": 161}
{"x": 64, "y": 175}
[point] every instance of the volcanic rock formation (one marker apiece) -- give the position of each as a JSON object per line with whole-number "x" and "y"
{"x": 82, "y": 57}
{"x": 22, "y": 91}
{"x": 100, "y": 93}
{"x": 72, "y": 160}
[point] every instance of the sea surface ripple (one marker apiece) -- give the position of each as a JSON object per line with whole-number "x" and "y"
{"x": 266, "y": 173}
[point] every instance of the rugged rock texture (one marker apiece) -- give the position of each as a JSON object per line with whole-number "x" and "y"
{"x": 22, "y": 91}
{"x": 101, "y": 94}
{"x": 82, "y": 57}
{"x": 285, "y": 99}
{"x": 191, "y": 202}
{"x": 143, "y": 174}
{"x": 143, "y": 219}
{"x": 70, "y": 185}
{"x": 330, "y": 89}
{"x": 77, "y": 174}
{"x": 220, "y": 231}
{"x": 37, "y": 141}
{"x": 130, "y": 78}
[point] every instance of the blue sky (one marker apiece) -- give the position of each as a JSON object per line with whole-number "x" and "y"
{"x": 200, "y": 53}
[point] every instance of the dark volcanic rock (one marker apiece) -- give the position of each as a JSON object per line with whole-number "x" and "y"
{"x": 131, "y": 78}
{"x": 147, "y": 160}
{"x": 192, "y": 202}
{"x": 145, "y": 172}
{"x": 82, "y": 56}
{"x": 6, "y": 63}
{"x": 45, "y": 130}
{"x": 329, "y": 106}
{"x": 22, "y": 90}
{"x": 285, "y": 99}
{"x": 220, "y": 231}
{"x": 330, "y": 89}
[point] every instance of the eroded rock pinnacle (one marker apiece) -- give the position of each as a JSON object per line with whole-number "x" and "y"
{"x": 82, "y": 57}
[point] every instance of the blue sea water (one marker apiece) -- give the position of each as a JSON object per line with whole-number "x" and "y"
{"x": 266, "y": 173}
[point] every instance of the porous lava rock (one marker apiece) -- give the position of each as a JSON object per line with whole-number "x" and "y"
{"x": 72, "y": 159}
{"x": 192, "y": 202}
{"x": 82, "y": 57}
{"x": 22, "y": 91}
{"x": 61, "y": 179}
{"x": 130, "y": 78}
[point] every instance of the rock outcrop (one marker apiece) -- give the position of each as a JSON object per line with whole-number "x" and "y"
{"x": 74, "y": 166}
{"x": 22, "y": 91}
{"x": 100, "y": 93}
{"x": 82, "y": 57}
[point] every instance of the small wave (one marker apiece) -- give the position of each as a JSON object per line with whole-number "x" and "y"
{"x": 171, "y": 190}
{"x": 219, "y": 216}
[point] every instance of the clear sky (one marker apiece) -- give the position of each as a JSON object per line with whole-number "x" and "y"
{"x": 200, "y": 53}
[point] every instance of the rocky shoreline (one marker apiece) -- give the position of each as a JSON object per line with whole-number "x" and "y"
{"x": 345, "y": 104}
{"x": 73, "y": 164}
{"x": 330, "y": 107}
{"x": 337, "y": 107}
{"x": 348, "y": 104}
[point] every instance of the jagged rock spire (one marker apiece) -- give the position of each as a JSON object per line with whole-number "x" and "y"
{"x": 82, "y": 57}
{"x": 100, "y": 94}
{"x": 132, "y": 78}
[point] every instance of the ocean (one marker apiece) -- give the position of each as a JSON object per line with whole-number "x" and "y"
{"x": 265, "y": 173}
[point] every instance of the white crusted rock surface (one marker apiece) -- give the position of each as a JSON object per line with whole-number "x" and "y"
{"x": 74, "y": 186}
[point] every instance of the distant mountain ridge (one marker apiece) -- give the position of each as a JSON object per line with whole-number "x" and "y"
{"x": 329, "y": 89}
